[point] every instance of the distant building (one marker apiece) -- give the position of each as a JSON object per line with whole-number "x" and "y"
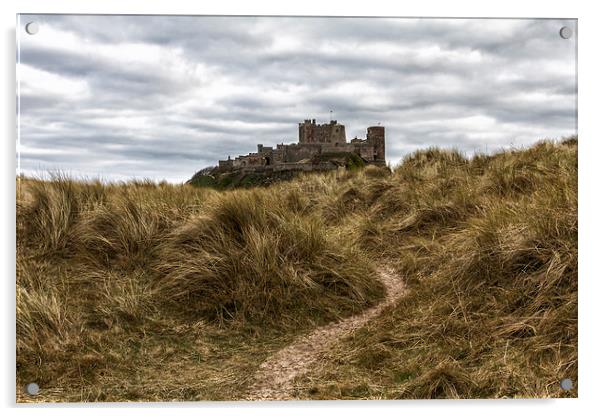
{"x": 319, "y": 146}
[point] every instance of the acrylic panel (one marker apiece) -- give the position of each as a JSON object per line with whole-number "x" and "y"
{"x": 295, "y": 208}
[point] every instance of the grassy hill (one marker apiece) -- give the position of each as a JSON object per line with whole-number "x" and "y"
{"x": 142, "y": 291}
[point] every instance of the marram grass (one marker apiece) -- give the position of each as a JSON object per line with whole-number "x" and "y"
{"x": 157, "y": 292}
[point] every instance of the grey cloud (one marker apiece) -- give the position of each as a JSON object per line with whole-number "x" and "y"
{"x": 469, "y": 84}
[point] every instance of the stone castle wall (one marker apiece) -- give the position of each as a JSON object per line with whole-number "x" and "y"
{"x": 310, "y": 132}
{"x": 314, "y": 140}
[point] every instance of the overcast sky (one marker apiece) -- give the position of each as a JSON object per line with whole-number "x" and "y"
{"x": 160, "y": 97}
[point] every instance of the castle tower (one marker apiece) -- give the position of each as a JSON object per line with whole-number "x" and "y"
{"x": 335, "y": 133}
{"x": 376, "y": 137}
{"x": 310, "y": 132}
{"x": 306, "y": 131}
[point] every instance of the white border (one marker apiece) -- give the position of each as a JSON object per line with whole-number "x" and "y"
{"x": 590, "y": 153}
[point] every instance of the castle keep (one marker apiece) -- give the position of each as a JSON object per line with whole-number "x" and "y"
{"x": 320, "y": 147}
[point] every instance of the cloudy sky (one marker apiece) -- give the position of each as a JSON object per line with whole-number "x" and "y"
{"x": 160, "y": 97}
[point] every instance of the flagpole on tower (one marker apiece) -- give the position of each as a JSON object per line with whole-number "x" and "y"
{"x": 330, "y": 115}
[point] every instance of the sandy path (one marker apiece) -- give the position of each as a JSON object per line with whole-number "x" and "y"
{"x": 273, "y": 380}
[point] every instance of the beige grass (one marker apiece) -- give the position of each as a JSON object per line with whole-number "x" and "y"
{"x": 147, "y": 292}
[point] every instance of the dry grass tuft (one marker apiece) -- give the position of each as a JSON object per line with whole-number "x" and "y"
{"x": 249, "y": 258}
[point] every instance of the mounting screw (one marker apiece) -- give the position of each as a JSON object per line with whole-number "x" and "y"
{"x": 32, "y": 389}
{"x": 566, "y": 384}
{"x": 32, "y": 28}
{"x": 566, "y": 32}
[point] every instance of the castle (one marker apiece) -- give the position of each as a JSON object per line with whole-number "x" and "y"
{"x": 320, "y": 147}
